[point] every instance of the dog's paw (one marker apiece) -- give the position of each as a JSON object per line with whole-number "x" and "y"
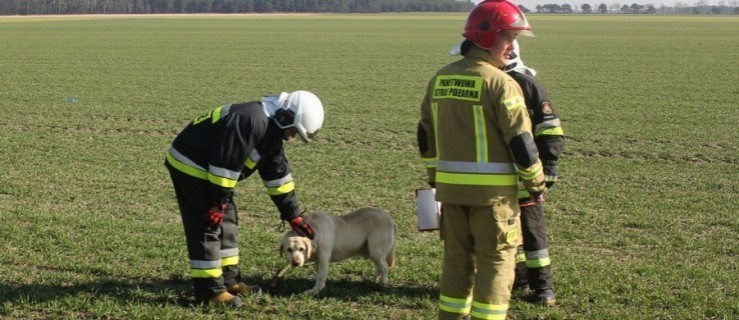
{"x": 312, "y": 292}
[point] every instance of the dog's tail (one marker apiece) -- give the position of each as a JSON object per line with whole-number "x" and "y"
{"x": 390, "y": 258}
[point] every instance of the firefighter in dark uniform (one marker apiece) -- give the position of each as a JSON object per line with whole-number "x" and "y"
{"x": 205, "y": 161}
{"x": 533, "y": 267}
{"x": 475, "y": 137}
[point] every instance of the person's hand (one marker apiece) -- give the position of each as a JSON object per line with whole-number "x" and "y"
{"x": 534, "y": 199}
{"x": 214, "y": 216}
{"x": 538, "y": 197}
{"x": 302, "y": 228}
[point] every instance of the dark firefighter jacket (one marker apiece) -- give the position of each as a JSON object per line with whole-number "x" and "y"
{"x": 548, "y": 133}
{"x": 227, "y": 145}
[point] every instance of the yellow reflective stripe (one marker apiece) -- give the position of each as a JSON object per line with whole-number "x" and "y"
{"x": 523, "y": 194}
{"x": 481, "y": 137}
{"x": 513, "y": 102}
{"x": 435, "y": 119}
{"x": 221, "y": 181}
{"x": 489, "y": 311}
{"x": 249, "y": 163}
{"x": 195, "y": 172}
{"x": 477, "y": 179}
{"x": 430, "y": 162}
{"x": 538, "y": 263}
{"x": 556, "y": 131}
{"x": 283, "y": 189}
{"x": 206, "y": 273}
{"x": 520, "y": 257}
{"x": 531, "y": 172}
{"x": 230, "y": 261}
{"x": 216, "y": 115}
{"x": 455, "y": 305}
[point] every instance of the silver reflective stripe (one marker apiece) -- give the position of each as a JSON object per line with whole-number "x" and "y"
{"x": 225, "y": 173}
{"x": 224, "y": 111}
{"x": 278, "y": 182}
{"x": 204, "y": 264}
{"x": 181, "y": 158}
{"x": 548, "y": 124}
{"x": 225, "y": 253}
{"x": 544, "y": 253}
{"x": 476, "y": 167}
{"x": 254, "y": 155}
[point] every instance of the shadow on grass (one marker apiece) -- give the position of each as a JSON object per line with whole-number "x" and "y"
{"x": 348, "y": 290}
{"x": 178, "y": 291}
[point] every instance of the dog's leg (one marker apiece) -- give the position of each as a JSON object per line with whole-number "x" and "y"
{"x": 279, "y": 275}
{"x": 321, "y": 274}
{"x": 381, "y": 270}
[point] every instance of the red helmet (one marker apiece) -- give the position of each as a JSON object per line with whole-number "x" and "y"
{"x": 492, "y": 16}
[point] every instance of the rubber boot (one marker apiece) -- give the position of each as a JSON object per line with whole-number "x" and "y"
{"x": 227, "y": 300}
{"x": 241, "y": 289}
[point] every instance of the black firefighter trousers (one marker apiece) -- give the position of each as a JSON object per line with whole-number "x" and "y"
{"x": 213, "y": 251}
{"x": 533, "y": 262}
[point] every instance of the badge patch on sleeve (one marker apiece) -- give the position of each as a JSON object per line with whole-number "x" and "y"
{"x": 546, "y": 107}
{"x": 514, "y": 102}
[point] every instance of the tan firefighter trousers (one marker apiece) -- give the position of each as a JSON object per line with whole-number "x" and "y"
{"x": 479, "y": 258}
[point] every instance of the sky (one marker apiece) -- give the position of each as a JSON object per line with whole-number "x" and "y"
{"x": 531, "y": 4}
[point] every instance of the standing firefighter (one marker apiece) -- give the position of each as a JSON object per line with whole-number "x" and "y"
{"x": 534, "y": 265}
{"x": 475, "y": 138}
{"x": 206, "y": 160}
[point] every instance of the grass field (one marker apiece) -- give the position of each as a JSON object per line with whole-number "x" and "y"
{"x": 643, "y": 223}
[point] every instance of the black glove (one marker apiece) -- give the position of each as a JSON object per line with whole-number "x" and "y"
{"x": 550, "y": 174}
{"x": 214, "y": 216}
{"x": 534, "y": 199}
{"x": 302, "y": 228}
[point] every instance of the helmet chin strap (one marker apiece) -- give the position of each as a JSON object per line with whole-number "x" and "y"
{"x": 270, "y": 104}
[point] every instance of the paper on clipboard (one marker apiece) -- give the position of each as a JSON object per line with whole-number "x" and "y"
{"x": 427, "y": 209}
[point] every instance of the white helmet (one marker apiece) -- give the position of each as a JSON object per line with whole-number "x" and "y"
{"x": 300, "y": 109}
{"x": 516, "y": 64}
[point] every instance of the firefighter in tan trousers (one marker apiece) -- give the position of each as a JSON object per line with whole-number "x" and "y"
{"x": 475, "y": 138}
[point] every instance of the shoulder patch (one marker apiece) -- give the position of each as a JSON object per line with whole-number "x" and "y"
{"x": 546, "y": 107}
{"x": 513, "y": 102}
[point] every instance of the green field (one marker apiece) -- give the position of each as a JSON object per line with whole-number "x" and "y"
{"x": 643, "y": 223}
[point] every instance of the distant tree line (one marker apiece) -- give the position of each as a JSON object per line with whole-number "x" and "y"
{"x": 44, "y": 7}
{"x": 701, "y": 7}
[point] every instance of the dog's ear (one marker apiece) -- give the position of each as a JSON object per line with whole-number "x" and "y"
{"x": 308, "y": 249}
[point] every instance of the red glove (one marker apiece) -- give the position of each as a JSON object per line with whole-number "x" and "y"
{"x": 302, "y": 228}
{"x": 214, "y": 216}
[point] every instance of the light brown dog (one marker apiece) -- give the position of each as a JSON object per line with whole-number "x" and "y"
{"x": 368, "y": 232}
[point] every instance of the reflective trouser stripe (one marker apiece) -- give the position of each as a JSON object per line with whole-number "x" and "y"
{"x": 489, "y": 311}
{"x": 229, "y": 257}
{"x": 283, "y": 189}
{"x": 205, "y": 269}
{"x": 455, "y": 305}
{"x": 538, "y": 263}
